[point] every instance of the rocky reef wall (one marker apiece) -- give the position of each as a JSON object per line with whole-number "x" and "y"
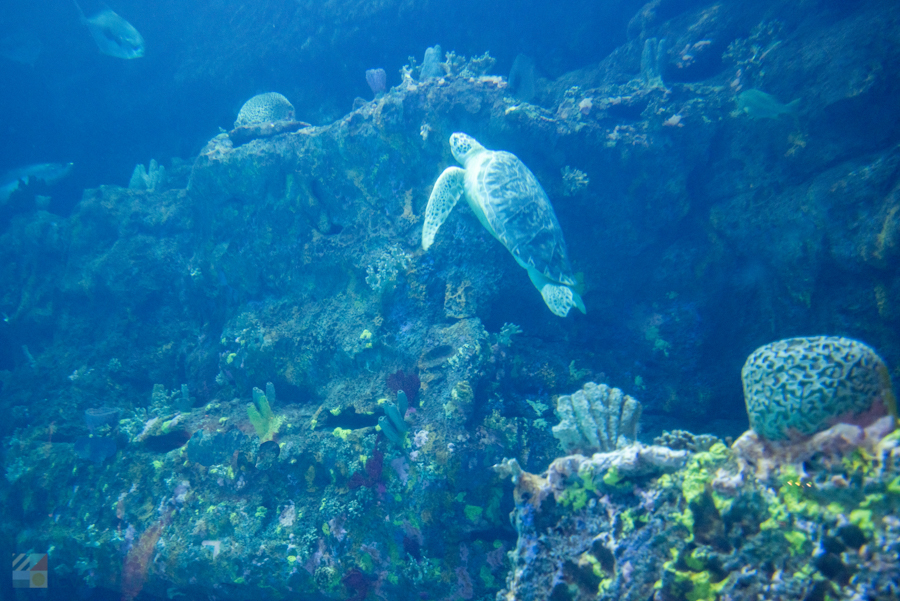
{"x": 705, "y": 212}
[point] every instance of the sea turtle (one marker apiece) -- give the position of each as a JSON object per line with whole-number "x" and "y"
{"x": 510, "y": 203}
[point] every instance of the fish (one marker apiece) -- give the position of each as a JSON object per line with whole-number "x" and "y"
{"x": 114, "y": 35}
{"x": 49, "y": 173}
{"x": 759, "y": 105}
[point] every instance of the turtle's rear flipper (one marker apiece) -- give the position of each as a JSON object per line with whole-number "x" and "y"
{"x": 561, "y": 298}
{"x": 447, "y": 190}
{"x": 558, "y": 297}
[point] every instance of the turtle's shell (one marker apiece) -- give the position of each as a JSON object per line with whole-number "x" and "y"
{"x": 517, "y": 208}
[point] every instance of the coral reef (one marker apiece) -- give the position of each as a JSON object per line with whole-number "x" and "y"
{"x": 683, "y": 440}
{"x": 265, "y": 422}
{"x": 696, "y": 527}
{"x": 377, "y": 80}
{"x": 596, "y": 417}
{"x": 803, "y": 385}
{"x": 574, "y": 180}
{"x": 762, "y": 458}
{"x": 392, "y": 423}
{"x": 431, "y": 64}
{"x": 267, "y": 129}
{"x": 252, "y": 265}
{"x": 148, "y": 178}
{"x": 265, "y": 108}
{"x": 384, "y": 267}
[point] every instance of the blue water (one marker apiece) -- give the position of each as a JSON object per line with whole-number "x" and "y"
{"x": 204, "y": 59}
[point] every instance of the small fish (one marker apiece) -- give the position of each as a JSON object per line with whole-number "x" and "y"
{"x": 114, "y": 35}
{"x": 50, "y": 173}
{"x": 759, "y": 105}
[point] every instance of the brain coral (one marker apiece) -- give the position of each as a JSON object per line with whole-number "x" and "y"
{"x": 805, "y": 385}
{"x": 596, "y": 418}
{"x": 264, "y": 108}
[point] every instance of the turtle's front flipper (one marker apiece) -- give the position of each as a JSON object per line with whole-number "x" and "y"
{"x": 447, "y": 190}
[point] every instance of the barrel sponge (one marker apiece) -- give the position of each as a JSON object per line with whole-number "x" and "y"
{"x": 596, "y": 418}
{"x": 800, "y": 386}
{"x": 265, "y": 108}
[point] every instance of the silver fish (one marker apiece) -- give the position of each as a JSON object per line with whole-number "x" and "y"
{"x": 759, "y": 105}
{"x": 114, "y": 35}
{"x": 49, "y": 173}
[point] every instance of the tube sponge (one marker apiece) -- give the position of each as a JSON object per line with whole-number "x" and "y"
{"x": 800, "y": 386}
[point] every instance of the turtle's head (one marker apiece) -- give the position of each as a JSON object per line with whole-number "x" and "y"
{"x": 463, "y": 146}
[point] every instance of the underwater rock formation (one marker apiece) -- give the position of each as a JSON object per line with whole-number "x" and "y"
{"x": 707, "y": 530}
{"x": 254, "y": 131}
{"x": 292, "y": 256}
